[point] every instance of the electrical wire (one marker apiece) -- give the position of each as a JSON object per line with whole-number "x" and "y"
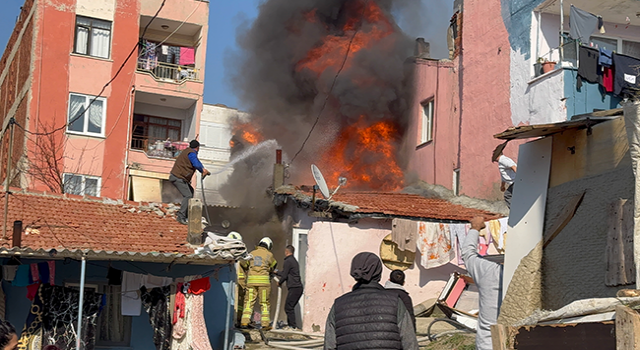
{"x": 133, "y": 50}
{"x": 324, "y": 104}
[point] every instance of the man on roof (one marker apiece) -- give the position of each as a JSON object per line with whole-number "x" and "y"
{"x": 186, "y": 164}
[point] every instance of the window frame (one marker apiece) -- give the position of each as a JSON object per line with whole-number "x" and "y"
{"x": 427, "y": 121}
{"x": 85, "y": 128}
{"x": 84, "y": 178}
{"x": 98, "y": 287}
{"x": 146, "y": 123}
{"x": 89, "y": 40}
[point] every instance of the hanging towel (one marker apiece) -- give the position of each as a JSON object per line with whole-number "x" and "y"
{"x": 588, "y": 68}
{"x": 608, "y": 79}
{"x": 404, "y": 233}
{"x": 131, "y": 303}
{"x": 187, "y": 56}
{"x": 22, "y": 276}
{"x": 151, "y": 281}
{"x": 434, "y": 244}
{"x": 32, "y": 290}
{"x": 581, "y": 24}
{"x": 200, "y": 336}
{"x": 9, "y": 272}
{"x": 504, "y": 225}
{"x": 52, "y": 272}
{"x": 43, "y": 268}
{"x": 35, "y": 273}
{"x": 199, "y": 286}
{"x": 495, "y": 228}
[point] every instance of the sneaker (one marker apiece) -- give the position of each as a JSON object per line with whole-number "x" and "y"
{"x": 182, "y": 221}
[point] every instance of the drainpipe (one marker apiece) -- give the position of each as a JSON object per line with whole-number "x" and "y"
{"x": 127, "y": 144}
{"x": 81, "y": 302}
{"x": 561, "y": 30}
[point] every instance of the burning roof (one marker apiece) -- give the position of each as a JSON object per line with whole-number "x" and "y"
{"x": 332, "y": 66}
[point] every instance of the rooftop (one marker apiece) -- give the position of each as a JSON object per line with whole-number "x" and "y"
{"x": 73, "y": 226}
{"x": 387, "y": 204}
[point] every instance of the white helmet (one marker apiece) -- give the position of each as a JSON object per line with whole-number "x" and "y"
{"x": 234, "y": 235}
{"x": 266, "y": 242}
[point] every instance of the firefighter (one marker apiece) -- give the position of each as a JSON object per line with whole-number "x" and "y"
{"x": 242, "y": 281}
{"x": 259, "y": 270}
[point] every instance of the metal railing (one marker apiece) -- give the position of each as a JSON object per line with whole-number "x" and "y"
{"x": 163, "y": 71}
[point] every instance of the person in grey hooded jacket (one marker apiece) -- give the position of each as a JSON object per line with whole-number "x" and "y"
{"x": 395, "y": 284}
{"x": 487, "y": 275}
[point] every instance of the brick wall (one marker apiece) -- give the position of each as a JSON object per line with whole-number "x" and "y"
{"x": 15, "y": 70}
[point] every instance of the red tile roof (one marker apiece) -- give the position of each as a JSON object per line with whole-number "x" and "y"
{"x": 57, "y": 222}
{"x": 397, "y": 204}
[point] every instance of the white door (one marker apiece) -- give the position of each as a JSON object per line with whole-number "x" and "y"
{"x": 300, "y": 244}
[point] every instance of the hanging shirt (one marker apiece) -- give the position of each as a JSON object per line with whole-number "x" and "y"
{"x": 627, "y": 73}
{"x": 606, "y": 57}
{"x": 588, "y": 66}
{"x": 9, "y": 272}
{"x": 187, "y": 56}
{"x": 581, "y": 24}
{"x": 608, "y": 79}
{"x": 22, "y": 276}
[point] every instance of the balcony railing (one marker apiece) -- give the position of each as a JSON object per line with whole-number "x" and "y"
{"x": 167, "y": 71}
{"x": 159, "y": 149}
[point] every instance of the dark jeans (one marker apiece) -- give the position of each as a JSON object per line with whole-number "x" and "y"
{"x": 187, "y": 193}
{"x": 507, "y": 195}
{"x": 293, "y": 296}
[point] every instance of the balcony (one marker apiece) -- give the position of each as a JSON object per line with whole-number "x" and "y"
{"x": 167, "y": 72}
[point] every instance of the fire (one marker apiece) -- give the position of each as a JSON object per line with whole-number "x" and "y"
{"x": 365, "y": 155}
{"x": 247, "y": 133}
{"x": 331, "y": 51}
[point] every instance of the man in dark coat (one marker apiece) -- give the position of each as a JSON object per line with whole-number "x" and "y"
{"x": 291, "y": 274}
{"x": 369, "y": 317}
{"x": 396, "y": 284}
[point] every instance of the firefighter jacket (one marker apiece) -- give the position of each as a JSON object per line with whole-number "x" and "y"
{"x": 260, "y": 267}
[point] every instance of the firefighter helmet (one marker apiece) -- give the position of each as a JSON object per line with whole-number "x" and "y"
{"x": 266, "y": 242}
{"x": 234, "y": 235}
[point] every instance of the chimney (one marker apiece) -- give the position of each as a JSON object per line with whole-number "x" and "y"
{"x": 17, "y": 234}
{"x": 278, "y": 170}
{"x": 422, "y": 49}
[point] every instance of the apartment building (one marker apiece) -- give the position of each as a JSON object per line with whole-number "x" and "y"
{"x": 103, "y": 94}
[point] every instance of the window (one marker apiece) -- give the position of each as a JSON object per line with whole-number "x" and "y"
{"x": 427, "y": 122}
{"x": 113, "y": 329}
{"x": 85, "y": 122}
{"x": 147, "y": 130}
{"x": 93, "y": 37}
{"x": 81, "y": 185}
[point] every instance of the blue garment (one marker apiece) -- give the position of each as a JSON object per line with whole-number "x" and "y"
{"x": 22, "y": 276}
{"x": 606, "y": 58}
{"x": 43, "y": 267}
{"x": 193, "y": 157}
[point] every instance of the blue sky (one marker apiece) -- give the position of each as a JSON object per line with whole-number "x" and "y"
{"x": 429, "y": 19}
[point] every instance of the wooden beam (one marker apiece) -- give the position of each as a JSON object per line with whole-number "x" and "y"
{"x": 627, "y": 328}
{"x": 499, "y": 337}
{"x": 564, "y": 217}
{"x": 195, "y": 222}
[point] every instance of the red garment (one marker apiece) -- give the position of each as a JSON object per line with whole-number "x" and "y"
{"x": 32, "y": 290}
{"x": 199, "y": 286}
{"x": 35, "y": 273}
{"x": 607, "y": 79}
{"x": 180, "y": 304}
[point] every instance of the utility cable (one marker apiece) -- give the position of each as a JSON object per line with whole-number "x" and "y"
{"x": 324, "y": 104}
{"x": 107, "y": 84}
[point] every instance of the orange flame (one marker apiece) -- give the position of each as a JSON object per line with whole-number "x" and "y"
{"x": 365, "y": 155}
{"x": 332, "y": 49}
{"x": 247, "y": 133}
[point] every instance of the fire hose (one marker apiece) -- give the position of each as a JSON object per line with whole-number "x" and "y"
{"x": 278, "y": 300}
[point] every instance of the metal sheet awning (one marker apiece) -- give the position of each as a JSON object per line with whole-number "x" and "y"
{"x": 581, "y": 121}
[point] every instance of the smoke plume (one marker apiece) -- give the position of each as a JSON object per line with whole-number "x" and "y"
{"x": 287, "y": 69}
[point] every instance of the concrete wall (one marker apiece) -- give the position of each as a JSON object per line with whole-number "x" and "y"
{"x": 333, "y": 245}
{"x": 485, "y": 85}
{"x": 434, "y": 161}
{"x": 17, "y": 304}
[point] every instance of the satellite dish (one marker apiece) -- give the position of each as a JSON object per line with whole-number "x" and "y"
{"x": 317, "y": 175}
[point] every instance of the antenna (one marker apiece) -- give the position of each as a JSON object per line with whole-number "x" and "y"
{"x": 317, "y": 175}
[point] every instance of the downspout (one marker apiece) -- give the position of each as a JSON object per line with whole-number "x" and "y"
{"x": 81, "y": 302}
{"x": 230, "y": 297}
{"x": 561, "y": 30}
{"x": 125, "y": 191}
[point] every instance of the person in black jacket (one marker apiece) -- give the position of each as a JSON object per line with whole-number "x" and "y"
{"x": 291, "y": 274}
{"x": 369, "y": 317}
{"x": 396, "y": 284}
